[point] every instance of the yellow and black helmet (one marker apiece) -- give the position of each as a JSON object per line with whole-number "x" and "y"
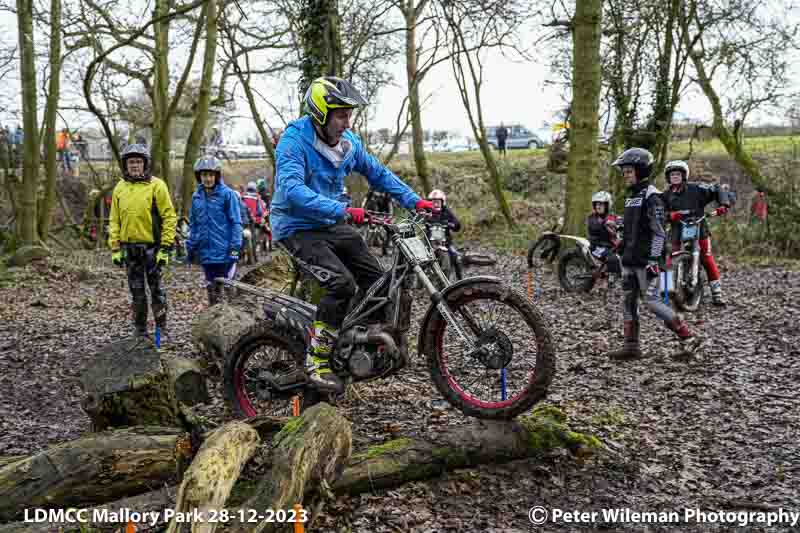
{"x": 330, "y": 92}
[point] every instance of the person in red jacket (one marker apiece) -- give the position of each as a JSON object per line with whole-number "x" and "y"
{"x": 254, "y": 203}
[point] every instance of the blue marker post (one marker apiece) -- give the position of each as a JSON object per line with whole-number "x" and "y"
{"x": 158, "y": 337}
{"x": 503, "y": 383}
{"x": 666, "y": 288}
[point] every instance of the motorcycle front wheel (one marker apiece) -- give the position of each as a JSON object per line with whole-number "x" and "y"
{"x": 513, "y": 360}
{"x": 686, "y": 297}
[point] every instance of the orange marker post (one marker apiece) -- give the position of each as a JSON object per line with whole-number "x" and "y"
{"x": 295, "y": 406}
{"x": 530, "y": 284}
{"x": 130, "y": 528}
{"x": 299, "y": 526}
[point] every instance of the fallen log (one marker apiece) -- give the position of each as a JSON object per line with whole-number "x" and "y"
{"x": 212, "y": 474}
{"x": 128, "y": 383}
{"x": 188, "y": 380}
{"x": 217, "y": 328}
{"x": 106, "y": 517}
{"x": 403, "y": 460}
{"x": 310, "y": 451}
{"x": 94, "y": 468}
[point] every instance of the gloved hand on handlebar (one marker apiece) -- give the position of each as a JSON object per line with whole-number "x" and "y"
{"x": 652, "y": 269}
{"x": 721, "y": 210}
{"x": 357, "y": 214}
{"x": 675, "y": 216}
{"x": 424, "y": 205}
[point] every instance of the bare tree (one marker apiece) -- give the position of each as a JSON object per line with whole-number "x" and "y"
{"x": 586, "y": 82}
{"x": 475, "y": 28}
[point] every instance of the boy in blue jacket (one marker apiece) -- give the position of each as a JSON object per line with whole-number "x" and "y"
{"x": 215, "y": 225}
{"x": 307, "y": 216}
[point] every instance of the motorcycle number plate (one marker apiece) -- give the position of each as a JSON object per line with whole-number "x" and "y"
{"x": 416, "y": 249}
{"x": 438, "y": 233}
{"x": 689, "y": 233}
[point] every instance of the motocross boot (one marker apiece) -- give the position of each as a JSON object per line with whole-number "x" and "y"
{"x": 140, "y": 316}
{"x": 630, "y": 348}
{"x": 213, "y": 295}
{"x": 318, "y": 356}
{"x": 689, "y": 342}
{"x": 716, "y": 294}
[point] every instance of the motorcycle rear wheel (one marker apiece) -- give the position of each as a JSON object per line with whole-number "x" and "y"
{"x": 513, "y": 381}
{"x": 574, "y": 272}
{"x": 263, "y": 349}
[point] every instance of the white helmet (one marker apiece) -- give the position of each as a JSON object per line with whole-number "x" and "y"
{"x": 438, "y": 194}
{"x": 677, "y": 165}
{"x": 601, "y": 197}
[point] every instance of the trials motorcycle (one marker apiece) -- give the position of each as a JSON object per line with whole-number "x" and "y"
{"x": 488, "y": 347}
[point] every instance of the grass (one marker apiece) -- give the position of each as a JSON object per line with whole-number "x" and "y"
{"x": 754, "y": 145}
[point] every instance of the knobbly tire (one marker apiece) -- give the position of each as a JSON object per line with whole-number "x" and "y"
{"x": 573, "y": 261}
{"x": 245, "y": 393}
{"x": 534, "y": 376}
{"x": 684, "y": 299}
{"x": 544, "y": 249}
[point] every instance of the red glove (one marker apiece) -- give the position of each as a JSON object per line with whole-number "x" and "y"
{"x": 424, "y": 205}
{"x": 357, "y": 214}
{"x": 721, "y": 210}
{"x": 675, "y": 216}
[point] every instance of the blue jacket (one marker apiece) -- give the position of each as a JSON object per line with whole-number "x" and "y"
{"x": 308, "y": 185}
{"x": 215, "y": 224}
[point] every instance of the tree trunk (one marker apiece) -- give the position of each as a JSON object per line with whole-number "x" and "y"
{"x": 586, "y": 83}
{"x": 212, "y": 474}
{"x": 321, "y": 42}
{"x": 661, "y": 121}
{"x": 414, "y": 77}
{"x": 161, "y": 142}
{"x": 127, "y": 384}
{"x": 26, "y": 217}
{"x": 201, "y": 113}
{"x": 95, "y": 468}
{"x": 402, "y": 460}
{"x": 51, "y": 110}
{"x": 310, "y": 451}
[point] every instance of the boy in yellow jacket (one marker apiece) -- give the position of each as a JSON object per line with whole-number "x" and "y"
{"x": 141, "y": 232}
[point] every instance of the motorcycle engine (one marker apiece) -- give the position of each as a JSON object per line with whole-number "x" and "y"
{"x": 362, "y": 363}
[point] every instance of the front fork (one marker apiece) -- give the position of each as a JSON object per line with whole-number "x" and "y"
{"x": 695, "y": 263}
{"x": 443, "y": 307}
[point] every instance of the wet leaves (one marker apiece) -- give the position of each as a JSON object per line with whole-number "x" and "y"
{"x": 719, "y": 426}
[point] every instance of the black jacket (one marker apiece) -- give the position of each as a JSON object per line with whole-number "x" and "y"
{"x": 693, "y": 197}
{"x": 644, "y": 226}
{"x": 446, "y": 218}
{"x": 599, "y": 232}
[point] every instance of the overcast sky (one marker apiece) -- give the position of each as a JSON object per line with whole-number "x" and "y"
{"x": 513, "y": 92}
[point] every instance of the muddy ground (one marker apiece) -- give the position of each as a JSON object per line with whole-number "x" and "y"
{"x": 717, "y": 431}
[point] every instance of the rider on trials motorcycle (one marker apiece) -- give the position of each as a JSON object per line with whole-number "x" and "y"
{"x": 313, "y": 157}
{"x": 684, "y": 196}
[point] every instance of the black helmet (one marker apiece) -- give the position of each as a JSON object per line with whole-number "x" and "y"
{"x": 136, "y": 150}
{"x": 208, "y": 163}
{"x": 330, "y": 92}
{"x": 638, "y": 158}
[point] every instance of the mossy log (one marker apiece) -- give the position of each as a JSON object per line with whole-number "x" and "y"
{"x": 212, "y": 474}
{"x": 128, "y": 384}
{"x": 309, "y": 451}
{"x": 96, "y": 468}
{"x": 403, "y": 460}
{"x": 108, "y": 517}
{"x": 217, "y": 328}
